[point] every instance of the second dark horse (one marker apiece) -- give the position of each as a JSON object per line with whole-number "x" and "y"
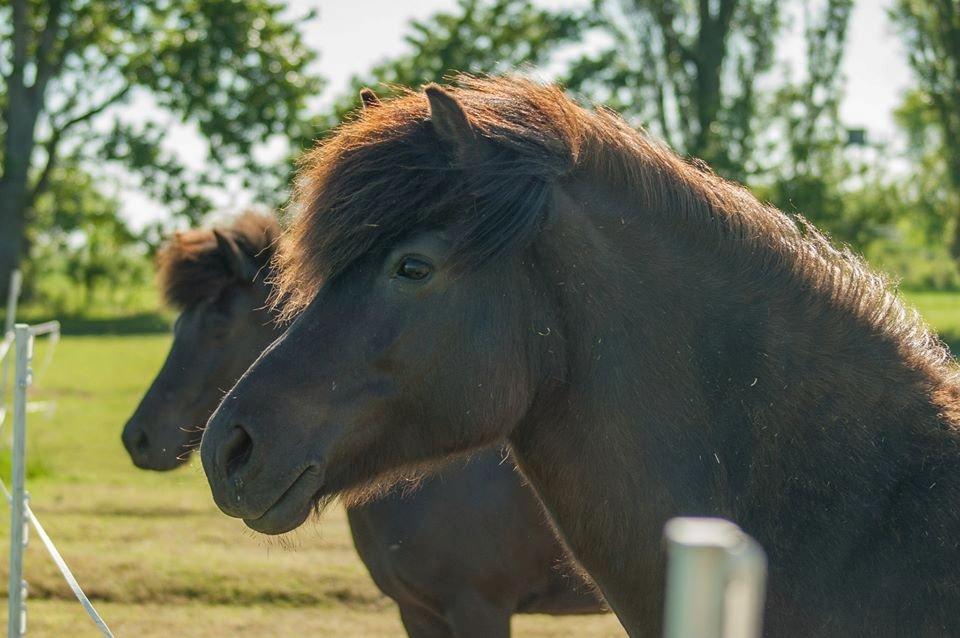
{"x": 460, "y": 555}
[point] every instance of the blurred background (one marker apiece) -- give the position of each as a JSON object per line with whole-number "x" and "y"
{"x": 121, "y": 121}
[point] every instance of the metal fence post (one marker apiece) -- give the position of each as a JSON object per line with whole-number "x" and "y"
{"x": 716, "y": 578}
{"x": 17, "y": 617}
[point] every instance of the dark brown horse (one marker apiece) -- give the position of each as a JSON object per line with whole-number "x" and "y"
{"x": 493, "y": 262}
{"x": 215, "y": 280}
{"x": 459, "y": 555}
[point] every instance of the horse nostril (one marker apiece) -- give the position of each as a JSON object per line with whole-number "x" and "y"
{"x": 236, "y": 450}
{"x": 135, "y": 440}
{"x": 141, "y": 443}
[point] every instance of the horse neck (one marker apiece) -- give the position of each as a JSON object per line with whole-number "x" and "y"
{"x": 586, "y": 445}
{"x": 698, "y": 386}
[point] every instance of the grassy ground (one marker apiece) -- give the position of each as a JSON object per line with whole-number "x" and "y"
{"x": 154, "y": 552}
{"x": 941, "y": 310}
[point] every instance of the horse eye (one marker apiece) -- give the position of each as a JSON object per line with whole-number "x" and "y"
{"x": 414, "y": 268}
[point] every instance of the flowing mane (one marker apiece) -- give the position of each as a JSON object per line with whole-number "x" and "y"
{"x": 191, "y": 266}
{"x": 538, "y": 136}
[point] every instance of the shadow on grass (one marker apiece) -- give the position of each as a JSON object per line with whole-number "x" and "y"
{"x": 140, "y": 323}
{"x": 159, "y": 322}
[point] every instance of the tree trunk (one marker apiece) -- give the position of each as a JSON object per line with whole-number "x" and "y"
{"x": 22, "y": 110}
{"x": 12, "y": 226}
{"x": 711, "y": 48}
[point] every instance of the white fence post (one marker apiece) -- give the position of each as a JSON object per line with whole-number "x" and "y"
{"x": 17, "y": 613}
{"x": 716, "y": 580}
{"x": 21, "y": 514}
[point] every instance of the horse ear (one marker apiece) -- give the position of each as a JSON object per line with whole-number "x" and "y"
{"x": 452, "y": 125}
{"x": 369, "y": 99}
{"x": 241, "y": 264}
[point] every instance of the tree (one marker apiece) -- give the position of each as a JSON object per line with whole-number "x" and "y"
{"x": 809, "y": 108}
{"x": 481, "y": 36}
{"x": 237, "y": 69}
{"x": 688, "y": 70}
{"x": 934, "y": 198}
{"x": 80, "y": 244}
{"x": 931, "y": 32}
{"x": 814, "y": 173}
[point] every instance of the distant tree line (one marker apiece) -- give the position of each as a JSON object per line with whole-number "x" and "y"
{"x": 705, "y": 77}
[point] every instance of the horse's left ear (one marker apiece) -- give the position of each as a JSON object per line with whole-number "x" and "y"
{"x": 241, "y": 264}
{"x": 453, "y": 126}
{"x": 369, "y": 98}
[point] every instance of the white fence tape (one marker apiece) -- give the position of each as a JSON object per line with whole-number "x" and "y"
{"x": 61, "y": 565}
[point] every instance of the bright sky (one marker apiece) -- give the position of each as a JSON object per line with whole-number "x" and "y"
{"x": 352, "y": 36}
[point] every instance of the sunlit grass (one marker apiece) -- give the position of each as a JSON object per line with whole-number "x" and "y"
{"x": 153, "y": 551}
{"x": 941, "y": 310}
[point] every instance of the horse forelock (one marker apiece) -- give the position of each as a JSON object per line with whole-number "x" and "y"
{"x": 191, "y": 266}
{"x": 386, "y": 175}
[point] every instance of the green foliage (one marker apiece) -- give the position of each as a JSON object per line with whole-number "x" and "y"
{"x": 479, "y": 37}
{"x": 897, "y": 221}
{"x": 934, "y": 196}
{"x": 236, "y": 70}
{"x": 801, "y": 164}
{"x": 82, "y": 251}
{"x": 810, "y": 169}
{"x": 853, "y": 201}
{"x": 807, "y": 110}
{"x": 931, "y": 33}
{"x": 917, "y": 266}
{"x": 688, "y": 71}
{"x": 701, "y": 75}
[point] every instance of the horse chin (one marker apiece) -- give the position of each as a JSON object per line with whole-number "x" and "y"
{"x": 293, "y": 507}
{"x": 165, "y": 456}
{"x": 166, "y": 464}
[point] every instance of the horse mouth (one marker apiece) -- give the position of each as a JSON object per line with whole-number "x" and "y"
{"x": 292, "y": 508}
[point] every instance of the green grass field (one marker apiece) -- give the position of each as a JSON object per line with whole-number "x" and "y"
{"x": 157, "y": 556}
{"x": 941, "y": 310}
{"x": 153, "y": 551}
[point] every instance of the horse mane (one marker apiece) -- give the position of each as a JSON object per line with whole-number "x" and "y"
{"x": 191, "y": 267}
{"x": 385, "y": 175}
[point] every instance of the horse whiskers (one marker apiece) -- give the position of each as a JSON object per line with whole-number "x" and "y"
{"x": 190, "y": 429}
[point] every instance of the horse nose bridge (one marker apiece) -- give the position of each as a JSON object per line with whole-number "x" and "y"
{"x": 158, "y": 405}
{"x": 300, "y": 360}
{"x": 213, "y": 433}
